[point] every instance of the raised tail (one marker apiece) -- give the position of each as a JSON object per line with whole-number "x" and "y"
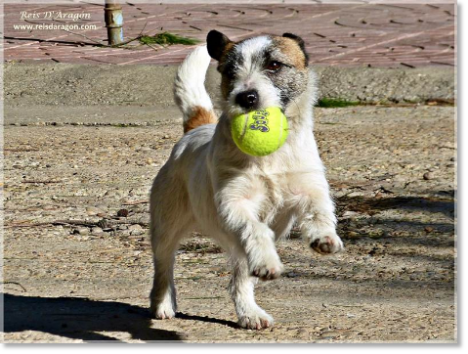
{"x": 189, "y": 90}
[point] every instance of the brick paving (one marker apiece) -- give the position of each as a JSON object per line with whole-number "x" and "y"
{"x": 391, "y": 34}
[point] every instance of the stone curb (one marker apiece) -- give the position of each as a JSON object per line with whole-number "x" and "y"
{"x": 151, "y": 85}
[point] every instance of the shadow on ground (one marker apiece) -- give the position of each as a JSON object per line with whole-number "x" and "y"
{"x": 444, "y": 204}
{"x": 384, "y": 227}
{"x": 80, "y": 318}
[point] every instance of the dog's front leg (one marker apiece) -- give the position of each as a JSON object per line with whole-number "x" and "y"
{"x": 258, "y": 243}
{"x": 241, "y": 288}
{"x": 252, "y": 248}
{"x": 316, "y": 215}
{"x": 239, "y": 209}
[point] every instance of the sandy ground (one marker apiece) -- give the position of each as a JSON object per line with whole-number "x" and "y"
{"x": 75, "y": 271}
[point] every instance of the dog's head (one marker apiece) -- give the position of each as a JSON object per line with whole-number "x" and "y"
{"x": 260, "y": 72}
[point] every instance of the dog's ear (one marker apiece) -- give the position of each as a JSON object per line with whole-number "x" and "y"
{"x": 300, "y": 42}
{"x": 298, "y": 39}
{"x": 216, "y": 44}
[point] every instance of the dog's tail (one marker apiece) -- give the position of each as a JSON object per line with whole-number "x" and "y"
{"x": 190, "y": 93}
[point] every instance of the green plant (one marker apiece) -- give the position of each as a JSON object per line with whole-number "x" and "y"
{"x": 335, "y": 103}
{"x": 167, "y": 38}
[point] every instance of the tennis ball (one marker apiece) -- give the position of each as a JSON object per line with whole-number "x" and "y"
{"x": 261, "y": 132}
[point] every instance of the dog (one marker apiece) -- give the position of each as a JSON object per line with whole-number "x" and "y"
{"x": 245, "y": 203}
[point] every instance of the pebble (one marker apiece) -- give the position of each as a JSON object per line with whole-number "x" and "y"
{"x": 122, "y": 213}
{"x": 97, "y": 231}
{"x": 135, "y": 227}
{"x": 83, "y": 230}
{"x": 125, "y": 232}
{"x": 428, "y": 175}
{"x": 115, "y": 194}
{"x": 93, "y": 211}
{"x": 136, "y": 230}
{"x": 350, "y": 214}
{"x": 355, "y": 194}
{"x": 330, "y": 334}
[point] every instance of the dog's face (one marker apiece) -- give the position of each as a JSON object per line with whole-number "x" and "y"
{"x": 259, "y": 72}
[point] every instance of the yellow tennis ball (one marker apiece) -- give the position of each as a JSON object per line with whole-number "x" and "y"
{"x": 261, "y": 132}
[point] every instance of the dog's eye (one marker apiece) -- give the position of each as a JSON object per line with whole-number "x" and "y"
{"x": 274, "y": 65}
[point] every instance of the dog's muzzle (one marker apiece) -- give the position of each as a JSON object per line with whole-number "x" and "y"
{"x": 248, "y": 99}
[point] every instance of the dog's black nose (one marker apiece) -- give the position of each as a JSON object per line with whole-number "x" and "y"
{"x": 247, "y": 99}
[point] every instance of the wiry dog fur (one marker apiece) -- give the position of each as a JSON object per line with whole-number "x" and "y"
{"x": 245, "y": 203}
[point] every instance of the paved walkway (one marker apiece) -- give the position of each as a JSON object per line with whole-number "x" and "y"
{"x": 355, "y": 34}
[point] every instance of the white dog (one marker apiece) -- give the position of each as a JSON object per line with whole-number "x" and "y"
{"x": 245, "y": 203}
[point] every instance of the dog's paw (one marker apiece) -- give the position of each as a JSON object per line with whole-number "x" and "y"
{"x": 163, "y": 311}
{"x": 255, "y": 319}
{"x": 328, "y": 243}
{"x": 267, "y": 267}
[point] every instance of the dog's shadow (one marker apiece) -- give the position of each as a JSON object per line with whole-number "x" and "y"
{"x": 81, "y": 318}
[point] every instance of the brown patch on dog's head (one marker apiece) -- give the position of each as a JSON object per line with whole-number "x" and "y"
{"x": 200, "y": 116}
{"x": 293, "y": 47}
{"x": 275, "y": 67}
{"x": 227, "y": 48}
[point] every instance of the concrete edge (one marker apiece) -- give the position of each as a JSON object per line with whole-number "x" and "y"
{"x": 151, "y": 85}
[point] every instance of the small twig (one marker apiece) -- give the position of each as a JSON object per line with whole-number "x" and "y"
{"x": 43, "y": 182}
{"x": 152, "y": 47}
{"x": 21, "y": 221}
{"x": 141, "y": 32}
{"x": 19, "y": 150}
{"x": 85, "y": 36}
{"x": 12, "y": 226}
{"x": 105, "y": 223}
{"x": 54, "y": 223}
{"x": 13, "y": 283}
{"x": 106, "y": 45}
{"x": 137, "y": 202}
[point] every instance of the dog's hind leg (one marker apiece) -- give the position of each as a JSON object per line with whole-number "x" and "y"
{"x": 241, "y": 288}
{"x": 163, "y": 293}
{"x": 165, "y": 238}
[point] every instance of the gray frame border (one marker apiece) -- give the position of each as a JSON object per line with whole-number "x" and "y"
{"x": 1, "y": 180}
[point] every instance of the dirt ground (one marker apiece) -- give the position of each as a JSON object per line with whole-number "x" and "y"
{"x": 76, "y": 271}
